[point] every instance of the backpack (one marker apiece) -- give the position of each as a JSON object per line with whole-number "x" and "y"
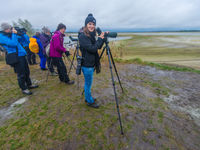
{"x": 47, "y": 50}
{"x": 33, "y": 45}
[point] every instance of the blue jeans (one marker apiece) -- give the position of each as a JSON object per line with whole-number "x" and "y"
{"x": 88, "y": 75}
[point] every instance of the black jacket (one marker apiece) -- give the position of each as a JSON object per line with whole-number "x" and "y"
{"x": 89, "y": 48}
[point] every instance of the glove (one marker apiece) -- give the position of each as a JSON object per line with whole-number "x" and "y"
{"x": 67, "y": 53}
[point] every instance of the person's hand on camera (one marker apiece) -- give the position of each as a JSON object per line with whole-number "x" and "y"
{"x": 67, "y": 53}
{"x": 14, "y": 31}
{"x": 102, "y": 35}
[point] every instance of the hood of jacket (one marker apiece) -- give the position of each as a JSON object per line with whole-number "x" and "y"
{"x": 59, "y": 33}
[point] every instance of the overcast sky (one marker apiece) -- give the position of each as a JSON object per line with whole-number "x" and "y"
{"x": 108, "y": 13}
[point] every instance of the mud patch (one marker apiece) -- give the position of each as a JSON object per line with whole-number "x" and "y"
{"x": 183, "y": 87}
{"x": 6, "y": 113}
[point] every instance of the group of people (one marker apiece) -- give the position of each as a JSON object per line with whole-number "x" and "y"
{"x": 89, "y": 45}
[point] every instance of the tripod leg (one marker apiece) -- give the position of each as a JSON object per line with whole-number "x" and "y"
{"x": 72, "y": 62}
{"x": 77, "y": 82}
{"x": 102, "y": 52}
{"x": 116, "y": 72}
{"x": 114, "y": 89}
{"x": 48, "y": 70}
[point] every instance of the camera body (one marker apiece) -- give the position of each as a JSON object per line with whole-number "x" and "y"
{"x": 79, "y": 62}
{"x": 20, "y": 31}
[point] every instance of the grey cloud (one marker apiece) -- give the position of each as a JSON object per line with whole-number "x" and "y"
{"x": 109, "y": 13}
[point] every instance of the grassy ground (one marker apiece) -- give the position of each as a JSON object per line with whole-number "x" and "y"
{"x": 55, "y": 117}
{"x": 179, "y": 50}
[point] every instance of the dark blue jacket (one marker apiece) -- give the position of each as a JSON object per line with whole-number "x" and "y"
{"x": 10, "y": 42}
{"x": 24, "y": 40}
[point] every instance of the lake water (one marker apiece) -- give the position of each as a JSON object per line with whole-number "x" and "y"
{"x": 163, "y": 33}
{"x": 128, "y": 35}
{"x": 67, "y": 40}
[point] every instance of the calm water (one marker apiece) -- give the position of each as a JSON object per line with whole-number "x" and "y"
{"x": 163, "y": 33}
{"x": 67, "y": 40}
{"x": 144, "y": 33}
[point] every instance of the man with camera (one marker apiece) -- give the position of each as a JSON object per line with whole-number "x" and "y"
{"x": 15, "y": 57}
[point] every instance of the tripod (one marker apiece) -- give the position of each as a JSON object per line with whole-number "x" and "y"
{"x": 76, "y": 53}
{"x": 111, "y": 62}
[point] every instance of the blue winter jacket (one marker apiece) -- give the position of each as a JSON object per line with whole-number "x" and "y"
{"x": 10, "y": 43}
{"x": 24, "y": 40}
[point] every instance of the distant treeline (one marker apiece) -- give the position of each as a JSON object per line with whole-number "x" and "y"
{"x": 24, "y": 24}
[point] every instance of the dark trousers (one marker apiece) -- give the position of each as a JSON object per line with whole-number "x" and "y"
{"x": 30, "y": 56}
{"x": 61, "y": 68}
{"x": 50, "y": 64}
{"x": 23, "y": 73}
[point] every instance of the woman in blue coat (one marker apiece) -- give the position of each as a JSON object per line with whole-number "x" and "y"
{"x": 9, "y": 40}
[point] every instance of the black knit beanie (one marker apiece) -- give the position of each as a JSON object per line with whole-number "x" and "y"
{"x": 90, "y": 18}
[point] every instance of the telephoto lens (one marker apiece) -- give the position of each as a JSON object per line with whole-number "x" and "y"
{"x": 78, "y": 69}
{"x": 107, "y": 34}
{"x": 111, "y": 34}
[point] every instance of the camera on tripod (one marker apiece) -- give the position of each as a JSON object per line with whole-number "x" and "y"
{"x": 78, "y": 57}
{"x": 107, "y": 34}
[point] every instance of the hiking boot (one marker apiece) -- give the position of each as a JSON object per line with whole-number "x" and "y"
{"x": 44, "y": 69}
{"x": 53, "y": 74}
{"x": 93, "y": 105}
{"x": 27, "y": 92}
{"x": 95, "y": 100}
{"x": 70, "y": 82}
{"x": 33, "y": 86}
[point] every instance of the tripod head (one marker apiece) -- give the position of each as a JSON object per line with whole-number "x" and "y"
{"x": 73, "y": 39}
